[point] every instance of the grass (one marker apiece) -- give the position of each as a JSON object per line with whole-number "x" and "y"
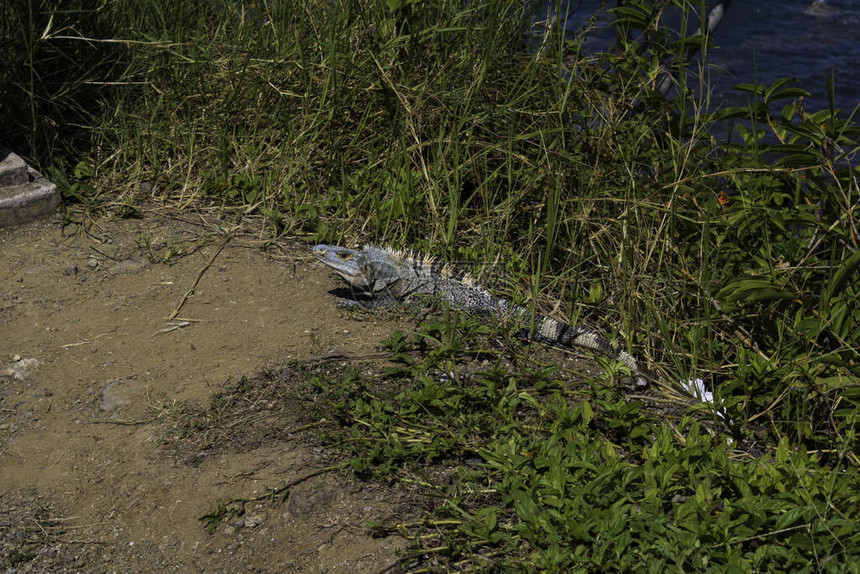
{"x": 467, "y": 131}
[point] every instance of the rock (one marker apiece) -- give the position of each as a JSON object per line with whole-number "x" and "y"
{"x": 128, "y": 265}
{"x": 117, "y": 393}
{"x": 20, "y": 369}
{"x": 238, "y": 522}
{"x": 304, "y": 502}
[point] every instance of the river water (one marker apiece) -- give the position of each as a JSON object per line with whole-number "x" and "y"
{"x": 762, "y": 41}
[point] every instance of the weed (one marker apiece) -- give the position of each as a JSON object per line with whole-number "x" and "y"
{"x": 532, "y": 471}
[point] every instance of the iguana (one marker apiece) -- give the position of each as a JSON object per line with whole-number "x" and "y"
{"x": 386, "y": 276}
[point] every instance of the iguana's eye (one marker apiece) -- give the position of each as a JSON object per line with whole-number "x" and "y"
{"x": 344, "y": 255}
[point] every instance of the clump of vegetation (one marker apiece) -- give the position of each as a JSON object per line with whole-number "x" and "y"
{"x": 532, "y": 471}
{"x": 467, "y": 130}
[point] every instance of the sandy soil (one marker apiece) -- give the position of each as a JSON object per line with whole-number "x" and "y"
{"x": 92, "y": 344}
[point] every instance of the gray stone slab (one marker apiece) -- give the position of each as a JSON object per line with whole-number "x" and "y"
{"x": 24, "y": 194}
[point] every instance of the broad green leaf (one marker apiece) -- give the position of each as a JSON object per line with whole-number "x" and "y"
{"x": 752, "y": 88}
{"x": 786, "y": 93}
{"x": 780, "y": 90}
{"x": 733, "y": 113}
{"x": 586, "y": 412}
{"x": 846, "y": 271}
{"x": 782, "y": 451}
{"x": 754, "y": 290}
{"x": 788, "y": 111}
{"x": 846, "y": 382}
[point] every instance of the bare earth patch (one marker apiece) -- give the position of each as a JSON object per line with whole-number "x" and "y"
{"x": 97, "y": 335}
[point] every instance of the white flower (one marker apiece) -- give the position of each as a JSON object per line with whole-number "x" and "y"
{"x": 696, "y": 388}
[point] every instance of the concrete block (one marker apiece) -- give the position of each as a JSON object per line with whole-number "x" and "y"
{"x": 24, "y": 194}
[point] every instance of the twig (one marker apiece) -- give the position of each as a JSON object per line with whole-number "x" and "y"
{"x": 197, "y": 279}
{"x": 103, "y": 254}
{"x": 308, "y": 426}
{"x": 113, "y": 41}
{"x": 172, "y": 326}
{"x": 88, "y": 341}
{"x": 345, "y": 357}
{"x": 125, "y": 422}
{"x": 760, "y": 536}
{"x": 678, "y": 182}
{"x": 237, "y": 504}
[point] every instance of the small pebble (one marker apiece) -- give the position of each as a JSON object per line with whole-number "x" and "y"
{"x": 92, "y": 263}
{"x": 238, "y": 522}
{"x": 71, "y": 270}
{"x": 253, "y": 521}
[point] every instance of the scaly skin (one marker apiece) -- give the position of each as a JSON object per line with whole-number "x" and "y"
{"x": 387, "y": 276}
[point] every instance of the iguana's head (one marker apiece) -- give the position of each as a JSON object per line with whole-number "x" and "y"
{"x": 369, "y": 270}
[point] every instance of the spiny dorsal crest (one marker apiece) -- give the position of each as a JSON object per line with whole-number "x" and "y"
{"x": 423, "y": 265}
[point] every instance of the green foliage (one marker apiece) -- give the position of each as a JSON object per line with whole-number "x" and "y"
{"x": 532, "y": 472}
{"x": 786, "y": 265}
{"x": 469, "y": 131}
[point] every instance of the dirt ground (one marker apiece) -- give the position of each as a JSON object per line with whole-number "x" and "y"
{"x": 96, "y": 331}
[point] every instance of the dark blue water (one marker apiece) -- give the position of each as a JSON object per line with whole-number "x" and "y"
{"x": 762, "y": 41}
